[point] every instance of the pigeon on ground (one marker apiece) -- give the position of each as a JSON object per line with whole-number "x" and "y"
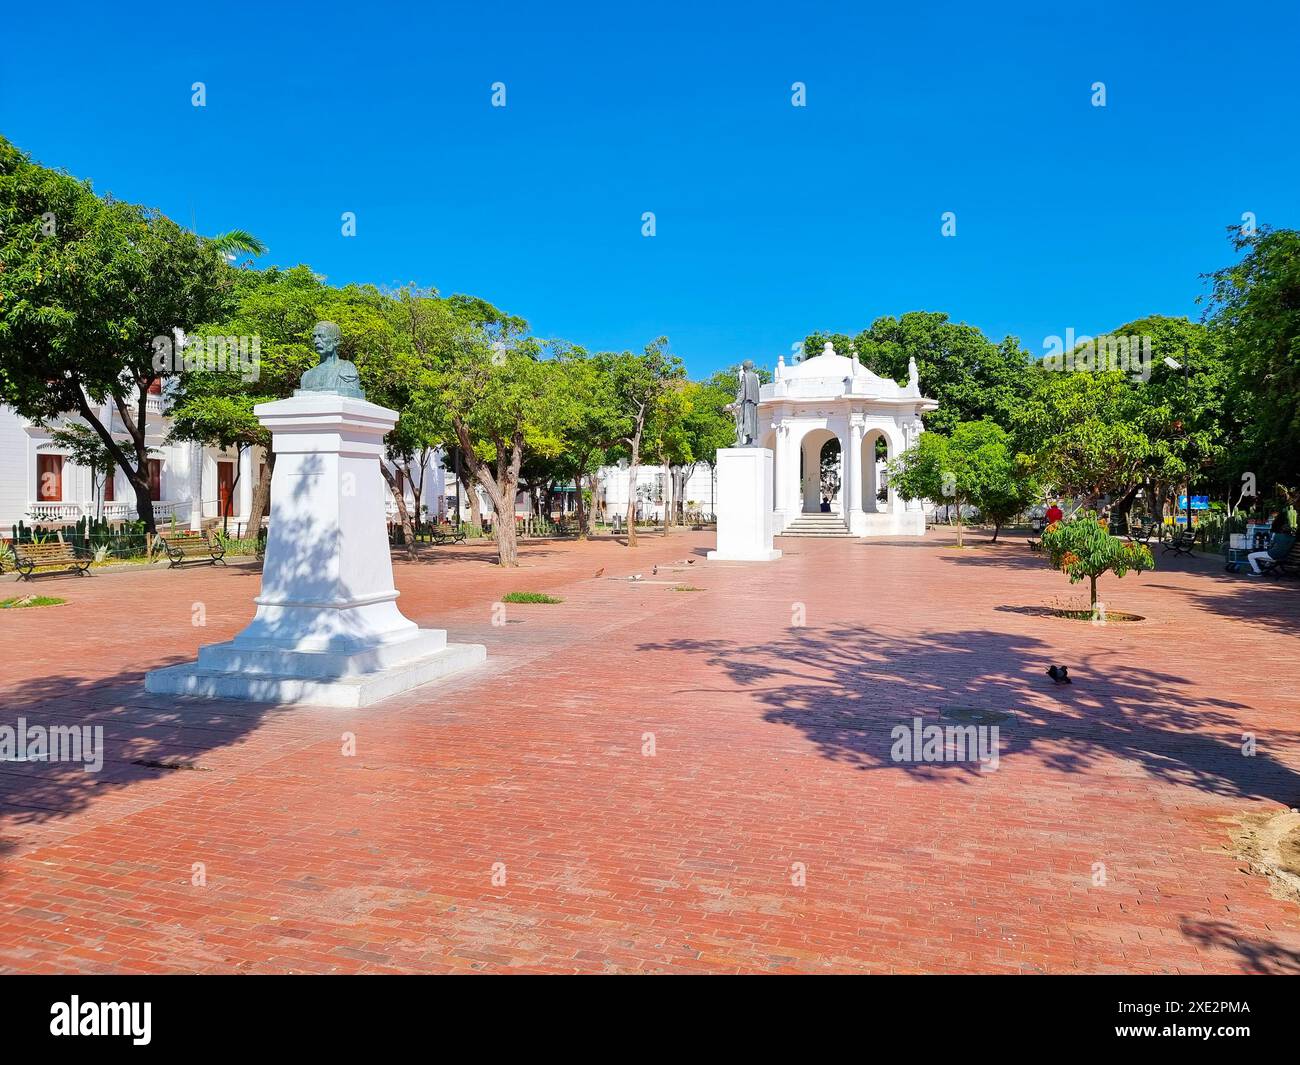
{"x": 690, "y": 561}
{"x": 636, "y": 576}
{"x": 600, "y": 572}
{"x": 1060, "y": 674}
{"x": 654, "y": 571}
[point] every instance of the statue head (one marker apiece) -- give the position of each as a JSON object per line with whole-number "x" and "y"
{"x": 747, "y": 365}
{"x": 325, "y": 339}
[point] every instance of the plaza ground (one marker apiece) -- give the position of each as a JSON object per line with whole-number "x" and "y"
{"x": 768, "y": 831}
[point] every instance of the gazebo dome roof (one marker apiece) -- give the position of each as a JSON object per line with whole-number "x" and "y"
{"x": 829, "y": 375}
{"x": 827, "y": 364}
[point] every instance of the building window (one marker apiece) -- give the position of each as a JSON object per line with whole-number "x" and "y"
{"x": 110, "y": 486}
{"x": 155, "y": 479}
{"x": 49, "y": 478}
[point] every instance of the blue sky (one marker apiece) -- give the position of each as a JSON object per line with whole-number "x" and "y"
{"x": 772, "y": 220}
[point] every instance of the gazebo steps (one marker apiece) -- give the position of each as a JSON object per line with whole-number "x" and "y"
{"x": 820, "y": 525}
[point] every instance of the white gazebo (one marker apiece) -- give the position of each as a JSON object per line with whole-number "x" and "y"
{"x": 832, "y": 397}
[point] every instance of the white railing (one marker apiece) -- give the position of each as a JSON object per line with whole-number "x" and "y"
{"x": 72, "y": 512}
{"x": 178, "y": 510}
{"x": 55, "y": 511}
{"x": 153, "y": 404}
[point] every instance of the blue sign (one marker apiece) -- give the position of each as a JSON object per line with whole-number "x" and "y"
{"x": 1198, "y": 502}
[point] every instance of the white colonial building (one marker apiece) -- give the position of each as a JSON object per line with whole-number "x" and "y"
{"x": 191, "y": 484}
{"x": 833, "y": 397}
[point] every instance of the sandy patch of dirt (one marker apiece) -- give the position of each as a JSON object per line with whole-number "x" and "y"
{"x": 1270, "y": 844}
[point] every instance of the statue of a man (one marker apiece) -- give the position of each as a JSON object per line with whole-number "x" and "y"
{"x": 745, "y": 408}
{"x": 332, "y": 374}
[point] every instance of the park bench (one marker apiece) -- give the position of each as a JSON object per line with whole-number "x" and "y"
{"x": 1143, "y": 531}
{"x": 1287, "y": 566}
{"x": 1181, "y": 543}
{"x": 447, "y": 535}
{"x": 192, "y": 547}
{"x": 53, "y": 556}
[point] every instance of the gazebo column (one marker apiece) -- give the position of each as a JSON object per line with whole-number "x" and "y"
{"x": 793, "y": 501}
{"x": 779, "y": 474}
{"x": 853, "y": 473}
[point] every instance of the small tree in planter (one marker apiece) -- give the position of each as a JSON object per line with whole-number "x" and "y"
{"x": 1083, "y": 547}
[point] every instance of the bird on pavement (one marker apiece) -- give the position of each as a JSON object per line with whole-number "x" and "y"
{"x": 600, "y": 572}
{"x": 1060, "y": 674}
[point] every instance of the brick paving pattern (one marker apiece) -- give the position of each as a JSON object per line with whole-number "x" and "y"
{"x": 771, "y": 757}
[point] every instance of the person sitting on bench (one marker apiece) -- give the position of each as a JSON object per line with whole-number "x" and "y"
{"x": 1278, "y": 546}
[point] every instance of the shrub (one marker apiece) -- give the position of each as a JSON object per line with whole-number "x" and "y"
{"x": 529, "y": 597}
{"x": 1083, "y": 547}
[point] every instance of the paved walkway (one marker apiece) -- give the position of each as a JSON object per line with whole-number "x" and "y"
{"x": 516, "y": 819}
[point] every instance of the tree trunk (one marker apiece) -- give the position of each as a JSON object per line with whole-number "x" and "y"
{"x": 143, "y": 504}
{"x": 959, "y": 525}
{"x": 501, "y": 488}
{"x": 997, "y": 528}
{"x": 1121, "y": 509}
{"x": 261, "y": 498}
{"x": 631, "y": 490}
{"x": 1093, "y": 581}
{"x": 403, "y": 512}
{"x": 580, "y": 507}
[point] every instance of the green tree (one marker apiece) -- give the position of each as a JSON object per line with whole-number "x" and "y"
{"x": 92, "y": 294}
{"x": 971, "y": 377}
{"x": 974, "y": 467}
{"x": 640, "y": 383}
{"x": 1254, "y": 306}
{"x": 594, "y": 427}
{"x": 504, "y": 396}
{"x": 1083, "y": 547}
{"x": 1106, "y": 434}
{"x": 215, "y": 407}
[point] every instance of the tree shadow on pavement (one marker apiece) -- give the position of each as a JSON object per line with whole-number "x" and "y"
{"x": 847, "y": 689}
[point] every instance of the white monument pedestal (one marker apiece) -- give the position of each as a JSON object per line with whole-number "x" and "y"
{"x": 744, "y": 505}
{"x": 327, "y": 628}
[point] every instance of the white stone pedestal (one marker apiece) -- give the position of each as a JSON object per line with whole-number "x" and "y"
{"x": 744, "y": 505}
{"x": 327, "y": 628}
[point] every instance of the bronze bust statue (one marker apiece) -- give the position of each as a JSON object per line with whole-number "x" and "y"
{"x": 332, "y": 374}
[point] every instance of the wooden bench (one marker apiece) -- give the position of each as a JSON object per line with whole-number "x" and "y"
{"x": 1288, "y": 566}
{"x": 192, "y": 547}
{"x": 447, "y": 535}
{"x": 54, "y": 556}
{"x": 1181, "y": 543}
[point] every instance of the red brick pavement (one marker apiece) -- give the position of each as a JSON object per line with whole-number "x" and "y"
{"x": 771, "y": 748}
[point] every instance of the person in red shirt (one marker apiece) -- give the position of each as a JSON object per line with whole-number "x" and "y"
{"x": 1054, "y": 513}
